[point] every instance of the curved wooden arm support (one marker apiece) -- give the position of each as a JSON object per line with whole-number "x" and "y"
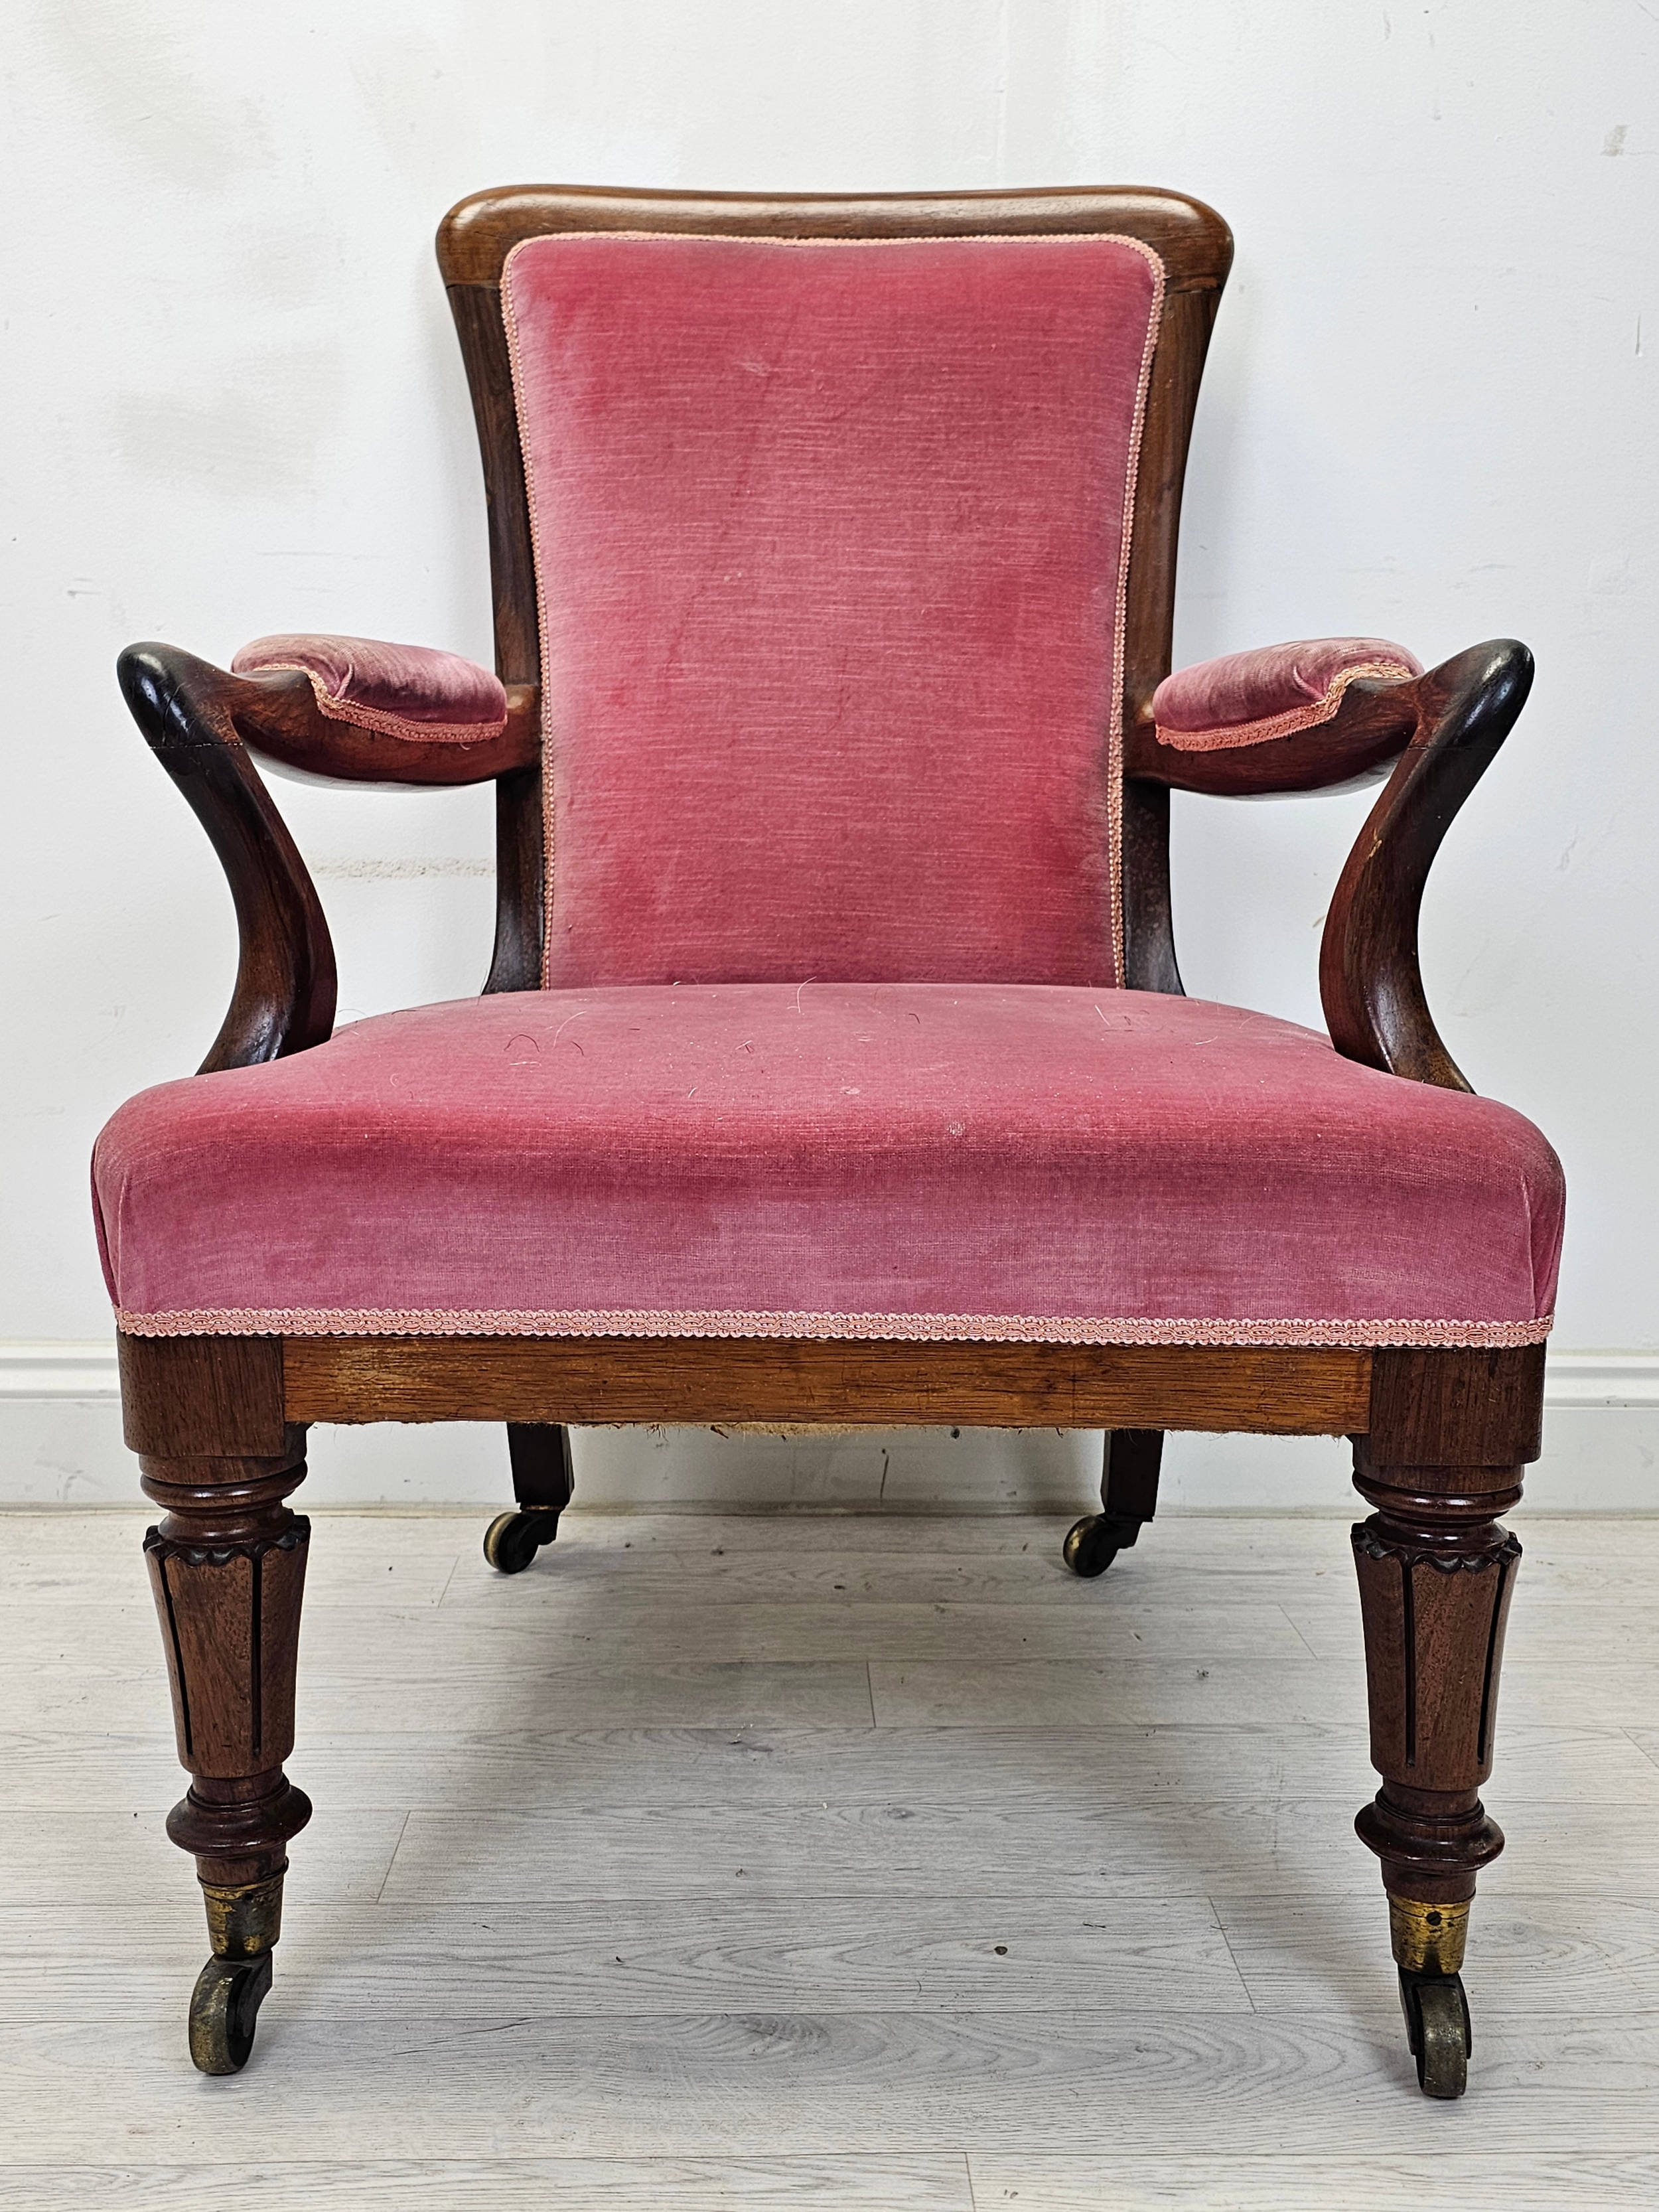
{"x": 1371, "y": 727}
{"x": 284, "y": 997}
{"x": 1368, "y": 978}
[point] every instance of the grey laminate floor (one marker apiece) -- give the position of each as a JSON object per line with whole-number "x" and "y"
{"x": 826, "y": 1862}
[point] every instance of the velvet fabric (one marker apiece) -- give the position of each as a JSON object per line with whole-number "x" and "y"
{"x": 401, "y": 690}
{"x": 830, "y": 541}
{"x": 1243, "y": 698}
{"x": 927, "y": 1161}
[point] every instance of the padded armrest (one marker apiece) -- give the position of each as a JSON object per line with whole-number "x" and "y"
{"x": 411, "y": 691}
{"x": 1281, "y": 717}
{"x": 1243, "y": 698}
{"x": 366, "y": 711}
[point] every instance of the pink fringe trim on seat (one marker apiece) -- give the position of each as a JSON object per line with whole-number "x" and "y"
{"x": 903, "y": 1329}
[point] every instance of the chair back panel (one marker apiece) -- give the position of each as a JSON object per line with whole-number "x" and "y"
{"x": 823, "y": 543}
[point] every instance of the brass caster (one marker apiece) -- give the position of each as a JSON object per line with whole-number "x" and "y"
{"x": 224, "y": 2006}
{"x": 1438, "y": 2026}
{"x": 513, "y": 1540}
{"x": 1094, "y": 1542}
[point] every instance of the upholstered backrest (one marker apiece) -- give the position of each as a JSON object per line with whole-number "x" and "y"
{"x": 829, "y": 538}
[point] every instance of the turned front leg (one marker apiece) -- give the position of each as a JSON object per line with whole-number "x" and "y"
{"x": 1436, "y": 1575}
{"x": 226, "y": 1565}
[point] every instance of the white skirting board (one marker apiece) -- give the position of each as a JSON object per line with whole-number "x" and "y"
{"x": 60, "y": 1443}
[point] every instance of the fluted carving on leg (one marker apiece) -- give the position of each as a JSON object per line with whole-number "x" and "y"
{"x": 227, "y": 1565}
{"x": 231, "y": 1616}
{"x": 1436, "y": 1571}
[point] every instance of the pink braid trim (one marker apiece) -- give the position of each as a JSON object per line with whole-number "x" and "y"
{"x": 909, "y": 1329}
{"x": 383, "y": 720}
{"x": 1285, "y": 725}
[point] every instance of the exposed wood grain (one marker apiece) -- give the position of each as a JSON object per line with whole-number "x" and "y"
{"x": 520, "y": 883}
{"x": 676, "y": 1694}
{"x": 520, "y": 849}
{"x": 1025, "y": 1952}
{"x": 609, "y": 1629}
{"x": 1369, "y": 981}
{"x": 284, "y": 996}
{"x": 1600, "y": 1948}
{"x": 274, "y": 713}
{"x": 775, "y": 2183}
{"x": 208, "y": 1397}
{"x": 1512, "y": 2173}
{"x": 1282, "y": 1392}
{"x": 1370, "y": 729}
{"x": 1209, "y": 1691}
{"x": 1561, "y": 1633}
{"x": 679, "y": 2085}
{"x": 1148, "y": 951}
{"x": 347, "y": 1855}
{"x": 351, "y": 1765}
{"x": 476, "y": 236}
{"x": 278, "y": 717}
{"x": 1149, "y": 955}
{"x": 609, "y": 1633}
{"x": 476, "y": 307}
{"x": 1045, "y": 1694}
{"x": 1457, "y": 1409}
{"x": 734, "y": 1554}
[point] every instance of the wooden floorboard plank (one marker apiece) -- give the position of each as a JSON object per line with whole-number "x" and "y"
{"x": 607, "y": 1634}
{"x": 703, "y": 2085}
{"x": 1566, "y": 1632}
{"x": 1588, "y": 1948}
{"x": 349, "y": 1855}
{"x": 775, "y": 2184}
{"x": 1153, "y": 1844}
{"x": 802, "y": 1953}
{"x": 909, "y": 1557}
{"x": 126, "y": 1697}
{"x": 348, "y": 1766}
{"x": 807, "y": 1953}
{"x": 1444, "y": 2179}
{"x": 1068, "y": 1693}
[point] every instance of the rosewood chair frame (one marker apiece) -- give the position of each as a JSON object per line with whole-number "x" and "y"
{"x": 1440, "y": 1436}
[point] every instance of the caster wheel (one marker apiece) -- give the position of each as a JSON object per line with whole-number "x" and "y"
{"x": 1094, "y": 1542}
{"x": 224, "y": 2006}
{"x": 1438, "y": 2026}
{"x": 513, "y": 1540}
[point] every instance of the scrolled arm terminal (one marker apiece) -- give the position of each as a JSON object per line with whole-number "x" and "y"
{"x": 349, "y": 708}
{"x": 1370, "y": 980}
{"x": 1335, "y": 711}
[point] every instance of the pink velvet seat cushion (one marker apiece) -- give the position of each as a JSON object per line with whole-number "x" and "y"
{"x": 829, "y": 538}
{"x": 1243, "y": 698}
{"x": 859, "y": 1160}
{"x": 411, "y": 691}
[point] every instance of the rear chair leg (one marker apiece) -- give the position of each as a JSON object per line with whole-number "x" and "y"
{"x": 543, "y": 1481}
{"x": 228, "y": 1564}
{"x": 1436, "y": 1575}
{"x": 1129, "y": 1491}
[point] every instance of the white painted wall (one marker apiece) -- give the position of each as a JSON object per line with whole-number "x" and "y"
{"x": 234, "y": 403}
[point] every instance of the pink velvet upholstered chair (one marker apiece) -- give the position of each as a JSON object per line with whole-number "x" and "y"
{"x": 833, "y": 1066}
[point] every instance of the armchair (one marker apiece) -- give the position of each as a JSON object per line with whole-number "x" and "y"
{"x": 833, "y": 1066}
